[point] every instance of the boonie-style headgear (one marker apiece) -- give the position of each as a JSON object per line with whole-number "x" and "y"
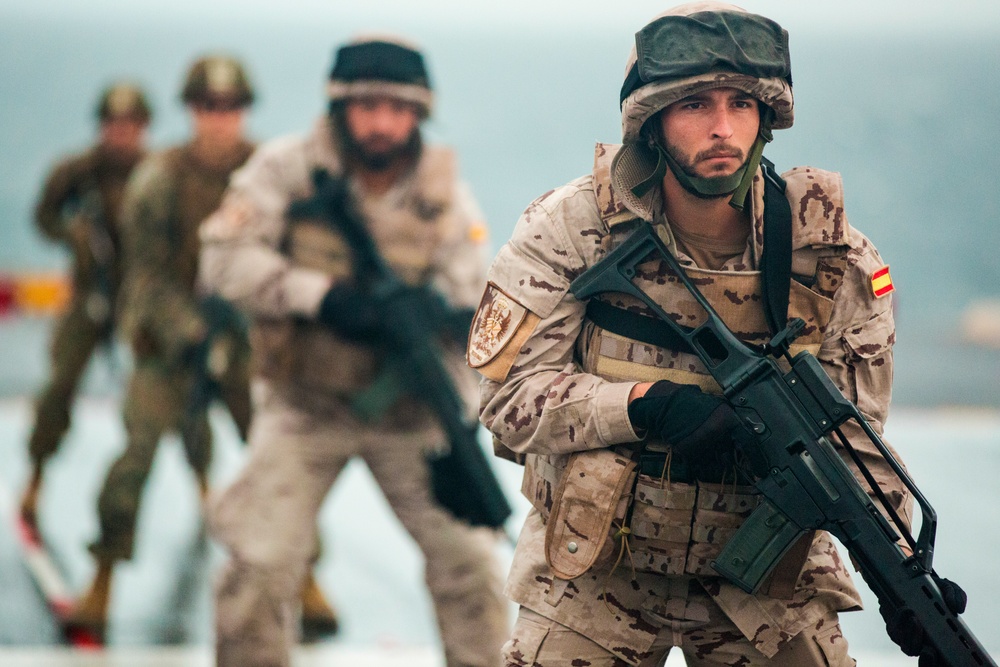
{"x": 686, "y": 50}
{"x": 381, "y": 65}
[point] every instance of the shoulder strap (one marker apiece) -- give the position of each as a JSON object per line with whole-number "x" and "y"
{"x": 776, "y": 264}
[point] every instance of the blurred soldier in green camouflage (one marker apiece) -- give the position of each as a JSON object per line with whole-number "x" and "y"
{"x": 80, "y": 206}
{"x": 187, "y": 349}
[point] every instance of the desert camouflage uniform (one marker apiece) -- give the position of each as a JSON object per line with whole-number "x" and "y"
{"x": 81, "y": 328}
{"x": 555, "y": 396}
{"x": 306, "y": 429}
{"x": 168, "y": 197}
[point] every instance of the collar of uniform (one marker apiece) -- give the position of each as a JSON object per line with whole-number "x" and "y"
{"x": 326, "y": 147}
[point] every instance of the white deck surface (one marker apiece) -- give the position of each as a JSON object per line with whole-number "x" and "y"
{"x": 161, "y": 607}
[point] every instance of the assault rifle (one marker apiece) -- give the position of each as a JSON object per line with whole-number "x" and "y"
{"x": 100, "y": 303}
{"x": 221, "y": 319}
{"x": 462, "y": 479}
{"x": 804, "y": 483}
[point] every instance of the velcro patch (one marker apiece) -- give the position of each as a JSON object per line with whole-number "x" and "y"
{"x": 494, "y": 326}
{"x": 882, "y": 283}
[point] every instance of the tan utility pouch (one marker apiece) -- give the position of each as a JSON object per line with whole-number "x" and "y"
{"x": 661, "y": 524}
{"x": 593, "y": 493}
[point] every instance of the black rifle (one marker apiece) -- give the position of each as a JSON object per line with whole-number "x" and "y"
{"x": 462, "y": 479}
{"x": 803, "y": 480}
{"x": 221, "y": 319}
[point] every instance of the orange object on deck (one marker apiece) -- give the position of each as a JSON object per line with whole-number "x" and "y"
{"x": 41, "y": 293}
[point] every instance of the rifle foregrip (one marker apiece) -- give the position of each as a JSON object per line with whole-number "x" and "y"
{"x": 757, "y": 547}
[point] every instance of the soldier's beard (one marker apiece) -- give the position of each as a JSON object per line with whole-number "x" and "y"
{"x": 689, "y": 166}
{"x": 376, "y": 153}
{"x": 379, "y": 153}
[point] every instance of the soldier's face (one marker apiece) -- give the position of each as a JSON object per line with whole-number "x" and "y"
{"x": 381, "y": 129}
{"x": 123, "y": 135}
{"x": 710, "y": 133}
{"x": 219, "y": 125}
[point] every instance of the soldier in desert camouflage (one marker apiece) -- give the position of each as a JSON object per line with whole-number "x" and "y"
{"x": 177, "y": 337}
{"x": 629, "y": 451}
{"x": 326, "y": 392}
{"x": 80, "y": 206}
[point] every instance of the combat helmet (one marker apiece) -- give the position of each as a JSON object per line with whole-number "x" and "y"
{"x": 386, "y": 65}
{"x": 218, "y": 81}
{"x": 123, "y": 99}
{"x": 688, "y": 49}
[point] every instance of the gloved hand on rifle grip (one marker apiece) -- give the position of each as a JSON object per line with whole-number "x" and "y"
{"x": 906, "y": 632}
{"x": 352, "y": 313}
{"x": 700, "y": 427}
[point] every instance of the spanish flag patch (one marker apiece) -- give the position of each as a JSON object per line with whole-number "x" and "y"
{"x": 882, "y": 282}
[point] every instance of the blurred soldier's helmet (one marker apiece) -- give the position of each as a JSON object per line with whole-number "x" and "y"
{"x": 123, "y": 100}
{"x": 381, "y": 65}
{"x": 686, "y": 50}
{"x": 218, "y": 82}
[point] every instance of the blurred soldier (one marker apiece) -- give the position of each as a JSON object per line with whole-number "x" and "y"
{"x": 317, "y": 352}
{"x": 186, "y": 349}
{"x": 80, "y": 207}
{"x": 613, "y": 566}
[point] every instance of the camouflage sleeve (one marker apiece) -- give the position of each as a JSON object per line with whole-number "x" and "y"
{"x": 63, "y": 182}
{"x": 240, "y": 242}
{"x": 857, "y": 354}
{"x": 154, "y": 298}
{"x": 461, "y": 261}
{"x": 539, "y": 400}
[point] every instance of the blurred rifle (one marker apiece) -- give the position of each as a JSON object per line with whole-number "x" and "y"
{"x": 210, "y": 360}
{"x": 88, "y": 208}
{"x": 804, "y": 482}
{"x": 462, "y": 479}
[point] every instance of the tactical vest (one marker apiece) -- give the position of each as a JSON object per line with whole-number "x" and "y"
{"x": 676, "y": 526}
{"x": 408, "y": 224}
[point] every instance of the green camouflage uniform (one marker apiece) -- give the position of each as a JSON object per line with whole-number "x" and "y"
{"x": 168, "y": 197}
{"x": 103, "y": 173}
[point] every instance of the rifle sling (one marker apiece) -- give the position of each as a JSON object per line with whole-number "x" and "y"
{"x": 776, "y": 263}
{"x": 635, "y": 326}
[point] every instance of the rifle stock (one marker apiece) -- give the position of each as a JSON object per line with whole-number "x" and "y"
{"x": 804, "y": 482}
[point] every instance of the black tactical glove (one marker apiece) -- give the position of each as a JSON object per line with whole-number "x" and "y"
{"x": 906, "y": 632}
{"x": 352, "y": 313}
{"x": 700, "y": 427}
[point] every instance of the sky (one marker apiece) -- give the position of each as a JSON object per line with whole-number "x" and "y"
{"x": 894, "y": 15}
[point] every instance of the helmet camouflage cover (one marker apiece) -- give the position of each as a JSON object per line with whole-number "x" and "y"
{"x": 386, "y": 65}
{"x": 218, "y": 81}
{"x": 123, "y": 100}
{"x": 686, "y": 50}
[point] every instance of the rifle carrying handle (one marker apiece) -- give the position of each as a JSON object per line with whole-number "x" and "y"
{"x": 757, "y": 547}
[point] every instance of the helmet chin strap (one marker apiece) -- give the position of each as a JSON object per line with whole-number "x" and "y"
{"x": 704, "y": 187}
